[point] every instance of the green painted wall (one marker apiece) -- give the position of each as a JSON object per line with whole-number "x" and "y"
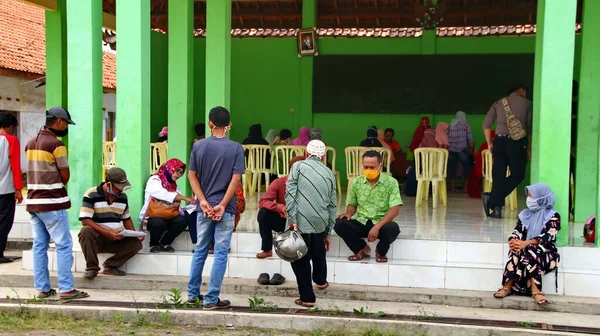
{"x": 158, "y": 83}
{"x": 266, "y": 77}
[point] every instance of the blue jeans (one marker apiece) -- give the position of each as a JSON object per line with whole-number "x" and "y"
{"x": 55, "y": 225}
{"x": 464, "y": 158}
{"x": 221, "y": 232}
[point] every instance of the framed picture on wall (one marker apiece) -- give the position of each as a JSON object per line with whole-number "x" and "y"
{"x": 307, "y": 42}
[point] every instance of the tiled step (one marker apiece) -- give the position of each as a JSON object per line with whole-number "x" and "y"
{"x": 413, "y": 263}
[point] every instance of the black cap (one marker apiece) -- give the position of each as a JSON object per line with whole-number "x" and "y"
{"x": 61, "y": 113}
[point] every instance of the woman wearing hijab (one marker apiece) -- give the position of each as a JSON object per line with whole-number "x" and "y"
{"x": 316, "y": 133}
{"x": 441, "y": 136}
{"x": 162, "y": 200}
{"x": 255, "y": 136}
{"x": 303, "y": 138}
{"x": 532, "y": 246}
{"x": 419, "y": 134}
{"x": 428, "y": 139}
{"x": 372, "y": 138}
{"x": 271, "y": 136}
{"x": 460, "y": 147}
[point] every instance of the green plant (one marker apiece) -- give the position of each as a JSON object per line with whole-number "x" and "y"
{"x": 380, "y": 314}
{"x": 360, "y": 311}
{"x": 119, "y": 318}
{"x": 423, "y": 315}
{"x": 258, "y": 304}
{"x": 527, "y": 324}
{"x": 35, "y": 299}
{"x": 197, "y": 304}
{"x": 332, "y": 310}
{"x": 10, "y": 298}
{"x": 166, "y": 318}
{"x": 176, "y": 296}
{"x": 313, "y": 310}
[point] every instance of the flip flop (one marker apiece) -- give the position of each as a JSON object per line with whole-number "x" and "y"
{"x": 5, "y": 260}
{"x": 77, "y": 295}
{"x": 322, "y": 287}
{"x": 359, "y": 256}
{"x": 277, "y": 279}
{"x": 45, "y": 295}
{"x": 304, "y": 304}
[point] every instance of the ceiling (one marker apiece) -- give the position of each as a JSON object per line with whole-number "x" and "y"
{"x": 287, "y": 14}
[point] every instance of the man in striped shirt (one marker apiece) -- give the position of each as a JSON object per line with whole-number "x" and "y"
{"x": 10, "y": 178}
{"x": 47, "y": 202}
{"x": 311, "y": 209}
{"x": 104, "y": 214}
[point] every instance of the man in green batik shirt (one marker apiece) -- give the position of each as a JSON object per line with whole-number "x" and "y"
{"x": 375, "y": 199}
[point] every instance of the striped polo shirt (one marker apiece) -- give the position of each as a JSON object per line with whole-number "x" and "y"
{"x": 46, "y": 155}
{"x": 311, "y": 196}
{"x": 96, "y": 206}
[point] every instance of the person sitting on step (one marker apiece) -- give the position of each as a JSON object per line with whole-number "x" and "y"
{"x": 161, "y": 211}
{"x": 375, "y": 198}
{"x": 532, "y": 244}
{"x": 104, "y": 214}
{"x": 272, "y": 215}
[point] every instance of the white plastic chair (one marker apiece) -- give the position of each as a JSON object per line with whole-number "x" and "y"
{"x": 258, "y": 166}
{"x": 353, "y": 163}
{"x": 109, "y": 156}
{"x": 387, "y": 157}
{"x": 431, "y": 169}
{"x": 158, "y": 155}
{"x": 488, "y": 163}
{"x": 247, "y": 176}
{"x": 283, "y": 155}
{"x": 331, "y": 153}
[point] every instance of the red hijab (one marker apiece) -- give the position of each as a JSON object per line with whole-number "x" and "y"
{"x": 475, "y": 187}
{"x": 166, "y": 171}
{"x": 419, "y": 133}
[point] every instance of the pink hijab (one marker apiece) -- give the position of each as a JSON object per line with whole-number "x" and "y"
{"x": 303, "y": 139}
{"x": 441, "y": 137}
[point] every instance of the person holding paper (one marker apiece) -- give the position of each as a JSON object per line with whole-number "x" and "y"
{"x": 104, "y": 215}
{"x": 161, "y": 212}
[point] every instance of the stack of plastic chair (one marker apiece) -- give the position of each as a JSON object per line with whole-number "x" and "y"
{"x": 488, "y": 163}
{"x": 331, "y": 153}
{"x": 431, "y": 169}
{"x": 353, "y": 164}
{"x": 258, "y": 166}
{"x": 387, "y": 157}
{"x": 158, "y": 155}
{"x": 283, "y": 156}
{"x": 109, "y": 156}
{"x": 247, "y": 176}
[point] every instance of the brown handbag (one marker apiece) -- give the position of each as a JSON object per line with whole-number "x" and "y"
{"x": 162, "y": 209}
{"x": 515, "y": 127}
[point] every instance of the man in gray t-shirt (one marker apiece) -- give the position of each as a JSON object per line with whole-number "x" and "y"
{"x": 216, "y": 168}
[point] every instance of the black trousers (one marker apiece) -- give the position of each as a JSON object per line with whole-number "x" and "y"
{"x": 302, "y": 269}
{"x": 163, "y": 232}
{"x": 7, "y": 217}
{"x": 269, "y": 221}
{"x": 353, "y": 232}
{"x": 191, "y": 221}
{"x": 507, "y": 154}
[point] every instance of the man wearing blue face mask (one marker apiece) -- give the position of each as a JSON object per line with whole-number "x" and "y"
{"x": 104, "y": 214}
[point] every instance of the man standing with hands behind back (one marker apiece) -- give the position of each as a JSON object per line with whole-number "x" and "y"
{"x": 216, "y": 168}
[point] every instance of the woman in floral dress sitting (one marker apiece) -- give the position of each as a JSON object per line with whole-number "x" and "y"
{"x": 532, "y": 245}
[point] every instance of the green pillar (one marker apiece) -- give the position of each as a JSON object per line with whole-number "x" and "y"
{"x": 304, "y": 116}
{"x": 133, "y": 97}
{"x": 589, "y": 108}
{"x": 218, "y": 54}
{"x": 56, "y": 56}
{"x": 555, "y": 45}
{"x": 84, "y": 70}
{"x": 181, "y": 82}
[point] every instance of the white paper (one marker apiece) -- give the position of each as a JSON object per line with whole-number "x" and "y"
{"x": 189, "y": 208}
{"x": 131, "y": 233}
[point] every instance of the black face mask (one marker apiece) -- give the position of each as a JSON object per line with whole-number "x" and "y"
{"x": 59, "y": 133}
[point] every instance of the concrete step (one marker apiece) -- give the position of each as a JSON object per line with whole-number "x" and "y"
{"x": 413, "y": 319}
{"x": 13, "y": 276}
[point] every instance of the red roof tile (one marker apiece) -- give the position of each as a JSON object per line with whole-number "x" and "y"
{"x": 23, "y": 41}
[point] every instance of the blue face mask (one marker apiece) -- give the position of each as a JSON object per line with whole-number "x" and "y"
{"x": 532, "y": 204}
{"x": 110, "y": 191}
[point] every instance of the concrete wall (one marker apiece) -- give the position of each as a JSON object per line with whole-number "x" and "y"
{"x": 30, "y": 104}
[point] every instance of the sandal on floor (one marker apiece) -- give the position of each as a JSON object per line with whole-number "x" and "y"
{"x": 77, "y": 294}
{"x": 45, "y": 295}
{"x": 277, "y": 279}
{"x": 359, "y": 256}
{"x": 322, "y": 287}
{"x": 502, "y": 293}
{"x": 5, "y": 260}
{"x": 304, "y": 304}
{"x": 540, "y": 302}
{"x": 263, "y": 279}
{"x": 113, "y": 271}
{"x": 380, "y": 258}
